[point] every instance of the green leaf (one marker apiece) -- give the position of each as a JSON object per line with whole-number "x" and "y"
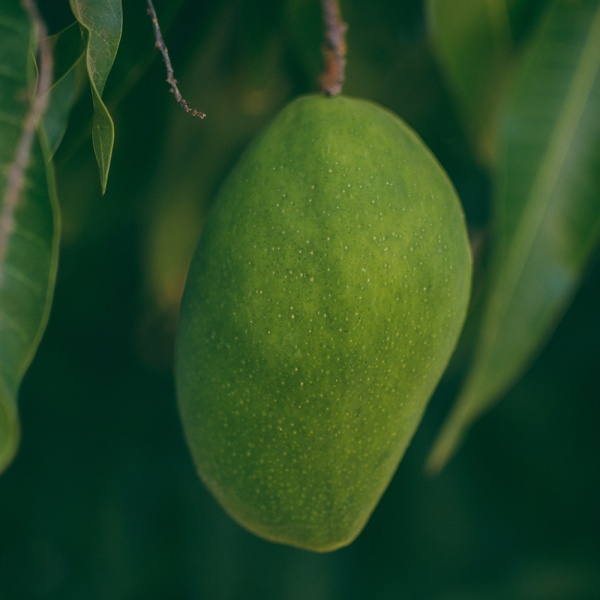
{"x": 59, "y": 108}
{"x": 68, "y": 51}
{"x": 547, "y": 208}
{"x": 475, "y": 44}
{"x": 28, "y": 223}
{"x": 102, "y": 22}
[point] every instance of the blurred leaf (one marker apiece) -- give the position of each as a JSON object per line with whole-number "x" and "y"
{"x": 68, "y": 51}
{"x": 102, "y": 21}
{"x": 28, "y": 225}
{"x": 547, "y": 207}
{"x": 56, "y": 117}
{"x": 474, "y": 42}
{"x": 69, "y": 48}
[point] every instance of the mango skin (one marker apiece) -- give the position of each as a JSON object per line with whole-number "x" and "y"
{"x": 322, "y": 305}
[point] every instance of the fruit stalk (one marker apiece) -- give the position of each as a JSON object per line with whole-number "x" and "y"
{"x": 334, "y": 48}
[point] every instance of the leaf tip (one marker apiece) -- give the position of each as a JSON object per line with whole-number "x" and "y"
{"x": 10, "y": 431}
{"x": 450, "y": 437}
{"x": 443, "y": 450}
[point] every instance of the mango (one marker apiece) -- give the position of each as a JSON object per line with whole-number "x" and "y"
{"x": 322, "y": 305}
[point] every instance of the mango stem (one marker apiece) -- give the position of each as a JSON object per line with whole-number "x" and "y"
{"x": 334, "y": 48}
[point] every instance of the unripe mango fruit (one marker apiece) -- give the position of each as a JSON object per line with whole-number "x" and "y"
{"x": 322, "y": 305}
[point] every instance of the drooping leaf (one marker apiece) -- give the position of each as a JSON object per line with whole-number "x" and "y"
{"x": 28, "y": 222}
{"x": 547, "y": 207}
{"x": 56, "y": 117}
{"x": 102, "y": 22}
{"x": 68, "y": 51}
{"x": 475, "y": 44}
{"x": 69, "y": 47}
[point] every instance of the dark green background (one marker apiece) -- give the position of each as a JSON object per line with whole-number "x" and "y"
{"x": 102, "y": 500}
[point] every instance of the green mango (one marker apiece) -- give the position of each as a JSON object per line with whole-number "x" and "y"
{"x": 322, "y": 305}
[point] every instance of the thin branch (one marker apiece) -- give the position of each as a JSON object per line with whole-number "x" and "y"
{"x": 334, "y": 48}
{"x": 16, "y": 171}
{"x": 160, "y": 44}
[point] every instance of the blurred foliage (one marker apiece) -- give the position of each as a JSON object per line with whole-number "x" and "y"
{"x": 478, "y": 44}
{"x": 102, "y": 501}
{"x": 28, "y": 218}
{"x": 546, "y": 217}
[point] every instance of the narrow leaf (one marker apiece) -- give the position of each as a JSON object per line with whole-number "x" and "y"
{"x": 102, "y": 21}
{"x": 28, "y": 217}
{"x": 68, "y": 51}
{"x": 475, "y": 44}
{"x": 69, "y": 48}
{"x": 59, "y": 108}
{"x": 547, "y": 208}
